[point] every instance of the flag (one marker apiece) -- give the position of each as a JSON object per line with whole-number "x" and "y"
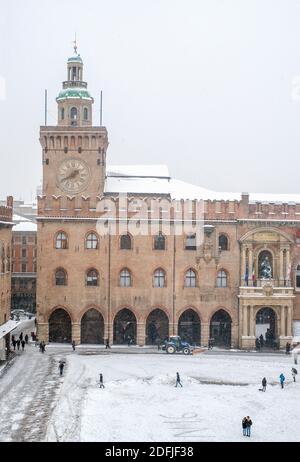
{"x": 247, "y": 274}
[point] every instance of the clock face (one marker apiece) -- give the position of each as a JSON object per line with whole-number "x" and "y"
{"x": 73, "y": 175}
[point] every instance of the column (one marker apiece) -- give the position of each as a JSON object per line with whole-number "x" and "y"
{"x": 289, "y": 321}
{"x": 282, "y": 322}
{"x": 109, "y": 332}
{"x": 287, "y": 276}
{"x": 76, "y": 332}
{"x": 173, "y": 328}
{"x": 43, "y": 331}
{"x": 252, "y": 334}
{"x": 245, "y": 321}
{"x": 243, "y": 265}
{"x": 250, "y": 266}
{"x": 140, "y": 334}
{"x": 204, "y": 333}
{"x": 281, "y": 278}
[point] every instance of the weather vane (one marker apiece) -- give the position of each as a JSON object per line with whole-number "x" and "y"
{"x": 75, "y": 45}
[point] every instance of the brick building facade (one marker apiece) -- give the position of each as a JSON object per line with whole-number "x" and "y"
{"x": 125, "y": 254}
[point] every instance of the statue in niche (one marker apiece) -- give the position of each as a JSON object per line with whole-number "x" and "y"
{"x": 265, "y": 268}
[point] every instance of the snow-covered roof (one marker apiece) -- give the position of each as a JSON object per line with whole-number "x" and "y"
{"x": 23, "y": 224}
{"x": 155, "y": 179}
{"x": 8, "y": 327}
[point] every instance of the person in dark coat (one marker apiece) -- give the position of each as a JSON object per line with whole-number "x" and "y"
{"x": 294, "y": 373}
{"x": 261, "y": 340}
{"x": 264, "y": 384}
{"x": 244, "y": 426}
{"x": 248, "y": 426}
{"x": 282, "y": 379}
{"x": 107, "y": 345}
{"x": 21, "y": 336}
{"x": 12, "y": 339}
{"x": 18, "y": 343}
{"x": 257, "y": 344}
{"x": 61, "y": 367}
{"x": 287, "y": 348}
{"x": 73, "y": 345}
{"x": 26, "y": 339}
{"x": 14, "y": 344}
{"x": 23, "y": 344}
{"x": 101, "y": 381}
{"x": 178, "y": 382}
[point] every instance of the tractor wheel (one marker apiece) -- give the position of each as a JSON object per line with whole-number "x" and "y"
{"x": 171, "y": 349}
{"x": 186, "y": 351}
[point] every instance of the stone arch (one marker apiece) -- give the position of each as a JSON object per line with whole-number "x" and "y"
{"x": 157, "y": 327}
{"x": 266, "y": 325}
{"x": 220, "y": 328}
{"x": 125, "y": 327}
{"x": 60, "y": 326}
{"x": 92, "y": 327}
{"x": 189, "y": 326}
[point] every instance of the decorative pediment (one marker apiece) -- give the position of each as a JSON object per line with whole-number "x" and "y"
{"x": 266, "y": 235}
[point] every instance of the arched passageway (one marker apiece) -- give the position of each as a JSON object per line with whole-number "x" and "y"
{"x": 266, "y": 327}
{"x": 157, "y": 327}
{"x": 92, "y": 327}
{"x": 220, "y": 329}
{"x": 60, "y": 327}
{"x": 125, "y": 327}
{"x": 189, "y": 327}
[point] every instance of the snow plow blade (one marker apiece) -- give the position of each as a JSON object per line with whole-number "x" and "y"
{"x": 196, "y": 351}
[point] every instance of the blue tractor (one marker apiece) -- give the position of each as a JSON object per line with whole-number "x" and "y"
{"x": 176, "y": 345}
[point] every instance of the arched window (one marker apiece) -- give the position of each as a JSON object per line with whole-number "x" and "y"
{"x": 125, "y": 278}
{"x": 298, "y": 276}
{"x": 60, "y": 277}
{"x": 126, "y": 243}
{"x": 92, "y": 278}
{"x": 85, "y": 113}
{"x": 92, "y": 241}
{"x": 159, "y": 242}
{"x": 190, "y": 242}
{"x": 222, "y": 279}
{"x": 74, "y": 116}
{"x": 190, "y": 278}
{"x": 62, "y": 113}
{"x": 159, "y": 278}
{"x": 223, "y": 242}
{"x": 61, "y": 241}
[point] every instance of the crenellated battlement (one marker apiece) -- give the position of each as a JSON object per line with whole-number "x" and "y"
{"x": 145, "y": 207}
{"x": 73, "y": 138}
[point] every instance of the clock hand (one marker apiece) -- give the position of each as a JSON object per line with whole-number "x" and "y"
{"x": 72, "y": 175}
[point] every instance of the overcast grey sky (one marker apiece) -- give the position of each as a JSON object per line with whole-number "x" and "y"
{"x": 209, "y": 87}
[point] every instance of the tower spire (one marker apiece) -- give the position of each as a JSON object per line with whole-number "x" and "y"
{"x": 75, "y": 44}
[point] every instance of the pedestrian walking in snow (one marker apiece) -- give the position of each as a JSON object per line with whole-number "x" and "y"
{"x": 14, "y": 344}
{"x": 73, "y": 345}
{"x": 61, "y": 367}
{"x": 287, "y": 348}
{"x": 26, "y": 339}
{"x": 23, "y": 344}
{"x": 264, "y": 384}
{"x": 18, "y": 343}
{"x": 128, "y": 340}
{"x": 21, "y": 336}
{"x": 294, "y": 373}
{"x": 178, "y": 382}
{"x": 261, "y": 340}
{"x": 107, "y": 345}
{"x": 101, "y": 381}
{"x": 282, "y": 379}
{"x": 248, "y": 426}
{"x": 12, "y": 339}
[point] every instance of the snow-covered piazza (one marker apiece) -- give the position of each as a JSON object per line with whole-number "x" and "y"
{"x": 140, "y": 401}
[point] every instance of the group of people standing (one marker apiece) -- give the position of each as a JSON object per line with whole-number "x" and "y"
{"x": 20, "y": 342}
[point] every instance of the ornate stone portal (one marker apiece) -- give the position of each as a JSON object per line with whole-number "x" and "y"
{"x": 265, "y": 283}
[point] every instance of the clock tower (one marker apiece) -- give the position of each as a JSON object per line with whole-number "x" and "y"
{"x": 74, "y": 151}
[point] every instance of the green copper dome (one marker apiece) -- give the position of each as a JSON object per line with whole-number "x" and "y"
{"x": 75, "y": 59}
{"x": 71, "y": 93}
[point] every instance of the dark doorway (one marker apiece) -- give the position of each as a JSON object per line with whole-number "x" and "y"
{"x": 220, "y": 329}
{"x": 157, "y": 327}
{"x": 266, "y": 328}
{"x": 60, "y": 327}
{"x": 92, "y": 327}
{"x": 125, "y": 328}
{"x": 189, "y": 327}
